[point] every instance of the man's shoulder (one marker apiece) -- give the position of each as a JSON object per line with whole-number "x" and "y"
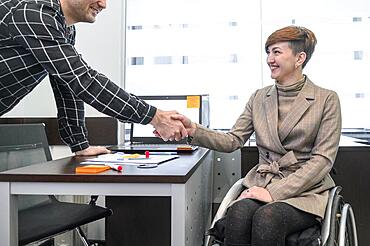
{"x": 36, "y": 12}
{"x": 18, "y": 4}
{"x": 51, "y": 3}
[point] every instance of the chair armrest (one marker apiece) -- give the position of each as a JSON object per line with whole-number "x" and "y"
{"x": 230, "y": 196}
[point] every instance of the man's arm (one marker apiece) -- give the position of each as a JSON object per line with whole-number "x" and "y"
{"x": 71, "y": 118}
{"x": 41, "y": 30}
{"x": 71, "y": 121}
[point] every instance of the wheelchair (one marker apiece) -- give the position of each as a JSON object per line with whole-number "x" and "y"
{"x": 338, "y": 228}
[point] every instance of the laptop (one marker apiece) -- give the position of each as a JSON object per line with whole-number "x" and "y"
{"x": 141, "y": 137}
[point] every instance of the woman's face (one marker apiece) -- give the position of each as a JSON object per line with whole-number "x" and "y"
{"x": 284, "y": 65}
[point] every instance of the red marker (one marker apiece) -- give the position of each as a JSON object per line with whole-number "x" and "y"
{"x": 115, "y": 167}
{"x": 146, "y": 154}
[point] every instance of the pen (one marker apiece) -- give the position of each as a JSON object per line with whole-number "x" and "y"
{"x": 163, "y": 153}
{"x": 115, "y": 167}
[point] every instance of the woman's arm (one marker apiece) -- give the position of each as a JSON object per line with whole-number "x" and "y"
{"x": 221, "y": 141}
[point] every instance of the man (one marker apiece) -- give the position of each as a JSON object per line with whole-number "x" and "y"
{"x": 37, "y": 39}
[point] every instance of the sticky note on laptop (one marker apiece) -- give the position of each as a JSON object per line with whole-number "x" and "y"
{"x": 193, "y": 101}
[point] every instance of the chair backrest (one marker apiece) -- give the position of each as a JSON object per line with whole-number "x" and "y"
{"x": 22, "y": 145}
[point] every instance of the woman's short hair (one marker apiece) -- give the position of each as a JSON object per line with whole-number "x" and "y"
{"x": 299, "y": 39}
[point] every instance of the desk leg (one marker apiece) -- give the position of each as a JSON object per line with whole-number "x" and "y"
{"x": 8, "y": 216}
{"x": 191, "y": 206}
{"x": 178, "y": 213}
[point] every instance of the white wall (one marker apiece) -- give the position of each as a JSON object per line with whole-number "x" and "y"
{"x": 100, "y": 44}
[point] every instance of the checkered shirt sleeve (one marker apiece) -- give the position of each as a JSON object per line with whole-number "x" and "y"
{"x": 41, "y": 30}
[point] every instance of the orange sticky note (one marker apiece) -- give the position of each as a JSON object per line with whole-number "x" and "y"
{"x": 92, "y": 169}
{"x": 193, "y": 101}
{"x": 184, "y": 147}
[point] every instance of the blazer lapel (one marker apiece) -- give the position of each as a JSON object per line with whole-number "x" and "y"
{"x": 299, "y": 107}
{"x": 271, "y": 110}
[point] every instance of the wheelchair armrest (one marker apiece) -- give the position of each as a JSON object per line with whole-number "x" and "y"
{"x": 325, "y": 227}
{"x": 230, "y": 196}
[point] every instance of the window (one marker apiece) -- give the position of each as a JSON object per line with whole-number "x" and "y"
{"x": 195, "y": 47}
{"x": 216, "y": 47}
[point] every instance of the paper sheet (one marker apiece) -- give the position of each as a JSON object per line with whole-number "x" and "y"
{"x": 120, "y": 158}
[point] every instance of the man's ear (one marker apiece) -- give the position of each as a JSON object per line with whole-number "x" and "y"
{"x": 301, "y": 57}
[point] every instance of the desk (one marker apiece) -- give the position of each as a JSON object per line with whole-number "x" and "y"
{"x": 186, "y": 180}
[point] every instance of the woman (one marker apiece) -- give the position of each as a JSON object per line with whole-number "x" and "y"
{"x": 297, "y": 127}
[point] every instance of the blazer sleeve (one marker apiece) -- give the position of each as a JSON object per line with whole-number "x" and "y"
{"x": 227, "y": 141}
{"x": 323, "y": 155}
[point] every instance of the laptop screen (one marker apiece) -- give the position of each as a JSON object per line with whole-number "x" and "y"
{"x": 190, "y": 106}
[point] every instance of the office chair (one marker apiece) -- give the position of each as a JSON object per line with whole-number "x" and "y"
{"x": 41, "y": 217}
{"x": 337, "y": 228}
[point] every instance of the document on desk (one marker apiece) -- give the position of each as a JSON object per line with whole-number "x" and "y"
{"x": 133, "y": 159}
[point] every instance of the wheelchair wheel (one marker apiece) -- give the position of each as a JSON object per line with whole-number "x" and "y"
{"x": 347, "y": 227}
{"x": 343, "y": 230}
{"x": 335, "y": 221}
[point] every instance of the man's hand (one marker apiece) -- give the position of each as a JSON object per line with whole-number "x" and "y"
{"x": 188, "y": 124}
{"x": 93, "y": 150}
{"x": 168, "y": 128}
{"x": 257, "y": 193}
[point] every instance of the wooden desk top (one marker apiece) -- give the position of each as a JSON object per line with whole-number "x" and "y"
{"x": 63, "y": 170}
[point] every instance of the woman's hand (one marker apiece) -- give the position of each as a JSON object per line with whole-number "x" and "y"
{"x": 188, "y": 124}
{"x": 257, "y": 193}
{"x": 166, "y": 127}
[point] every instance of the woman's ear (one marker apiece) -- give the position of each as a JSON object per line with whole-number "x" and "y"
{"x": 301, "y": 57}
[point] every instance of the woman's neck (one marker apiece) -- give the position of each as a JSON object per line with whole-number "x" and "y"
{"x": 292, "y": 79}
{"x": 294, "y": 87}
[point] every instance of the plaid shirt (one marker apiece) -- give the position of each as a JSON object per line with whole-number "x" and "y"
{"x": 35, "y": 42}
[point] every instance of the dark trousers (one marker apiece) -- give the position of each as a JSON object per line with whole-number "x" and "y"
{"x": 251, "y": 222}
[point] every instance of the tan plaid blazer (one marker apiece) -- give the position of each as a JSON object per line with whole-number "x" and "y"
{"x": 294, "y": 160}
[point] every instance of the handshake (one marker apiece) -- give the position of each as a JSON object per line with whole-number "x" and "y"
{"x": 170, "y": 125}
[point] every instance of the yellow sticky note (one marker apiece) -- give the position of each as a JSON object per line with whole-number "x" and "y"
{"x": 193, "y": 101}
{"x": 132, "y": 156}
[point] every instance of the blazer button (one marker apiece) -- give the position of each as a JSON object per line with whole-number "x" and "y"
{"x": 267, "y": 155}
